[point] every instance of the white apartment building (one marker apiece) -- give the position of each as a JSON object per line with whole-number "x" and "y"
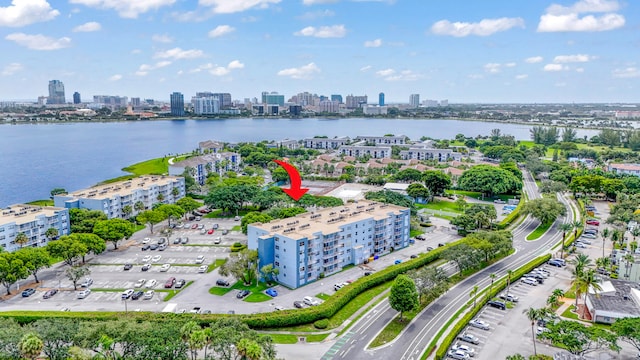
{"x": 414, "y": 100}
{"x": 632, "y": 169}
{"x": 375, "y": 152}
{"x": 383, "y": 140}
{"x": 112, "y": 198}
{"x": 315, "y": 244}
{"x": 204, "y": 165}
{"x": 421, "y": 153}
{"x": 205, "y": 105}
{"x": 325, "y": 143}
{"x": 33, "y": 221}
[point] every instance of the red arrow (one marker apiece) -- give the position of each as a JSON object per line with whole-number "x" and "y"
{"x": 296, "y": 191}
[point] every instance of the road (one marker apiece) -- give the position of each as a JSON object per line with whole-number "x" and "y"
{"x": 417, "y": 336}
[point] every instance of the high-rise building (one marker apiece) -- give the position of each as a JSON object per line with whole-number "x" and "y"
{"x": 272, "y": 98}
{"x": 414, "y": 100}
{"x": 135, "y": 102}
{"x": 56, "y": 92}
{"x": 336, "y": 97}
{"x": 444, "y": 102}
{"x": 205, "y": 105}
{"x": 111, "y": 101}
{"x": 381, "y": 99}
{"x": 354, "y": 102}
{"x": 177, "y": 104}
{"x": 76, "y": 98}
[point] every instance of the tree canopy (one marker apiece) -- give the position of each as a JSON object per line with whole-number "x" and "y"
{"x": 489, "y": 180}
{"x": 403, "y": 296}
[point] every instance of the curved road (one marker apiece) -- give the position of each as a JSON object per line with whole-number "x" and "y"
{"x": 416, "y": 337}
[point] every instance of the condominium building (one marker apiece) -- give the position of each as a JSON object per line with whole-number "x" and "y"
{"x": 56, "y": 92}
{"x": 177, "y": 104}
{"x": 272, "y": 98}
{"x": 76, "y": 98}
{"x": 381, "y": 99}
{"x": 421, "y": 153}
{"x": 374, "y": 110}
{"x": 375, "y": 152}
{"x": 414, "y": 100}
{"x": 33, "y": 221}
{"x": 110, "y": 101}
{"x": 316, "y": 244}
{"x": 354, "y": 102}
{"x": 329, "y": 106}
{"x": 383, "y": 140}
{"x": 202, "y": 166}
{"x": 210, "y": 146}
{"x": 631, "y": 169}
{"x": 205, "y": 105}
{"x": 112, "y": 198}
{"x": 325, "y": 143}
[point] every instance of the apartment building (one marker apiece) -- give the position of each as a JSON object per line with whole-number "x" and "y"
{"x": 325, "y": 143}
{"x": 33, "y": 221}
{"x": 632, "y": 169}
{"x": 375, "y": 152}
{"x": 112, "y": 198}
{"x": 210, "y": 146}
{"x": 422, "y": 153}
{"x": 316, "y": 244}
{"x": 383, "y": 140}
{"x": 204, "y": 165}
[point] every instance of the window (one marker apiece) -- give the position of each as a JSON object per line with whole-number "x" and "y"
{"x": 277, "y": 263}
{"x": 277, "y": 247}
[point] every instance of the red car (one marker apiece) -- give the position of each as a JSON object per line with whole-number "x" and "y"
{"x": 210, "y": 231}
{"x": 593, "y": 222}
{"x": 194, "y": 226}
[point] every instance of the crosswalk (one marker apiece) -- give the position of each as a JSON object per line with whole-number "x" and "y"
{"x": 335, "y": 349}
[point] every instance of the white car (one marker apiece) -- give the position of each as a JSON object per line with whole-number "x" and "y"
{"x": 310, "y": 301}
{"x": 465, "y": 348}
{"x": 139, "y": 283}
{"x": 530, "y": 281}
{"x": 165, "y": 267}
{"x": 589, "y": 236}
{"x": 200, "y": 259}
{"x": 480, "y": 324}
{"x": 84, "y": 293}
{"x": 151, "y": 283}
{"x": 146, "y": 259}
{"x": 149, "y": 294}
{"x": 179, "y": 226}
{"x": 580, "y": 245}
{"x": 156, "y": 258}
{"x": 458, "y": 354}
{"x": 146, "y": 240}
{"x": 279, "y": 308}
{"x": 203, "y": 269}
{"x": 582, "y": 239}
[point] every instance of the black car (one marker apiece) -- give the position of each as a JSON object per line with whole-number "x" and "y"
{"x": 128, "y": 266}
{"x": 28, "y": 292}
{"x": 414, "y": 256}
{"x": 146, "y": 247}
{"x": 49, "y": 293}
{"x": 298, "y": 304}
{"x": 222, "y": 282}
{"x": 497, "y": 304}
{"x": 367, "y": 273}
{"x": 153, "y": 246}
{"x": 137, "y": 295}
{"x": 180, "y": 283}
{"x": 225, "y": 232}
{"x": 429, "y": 248}
{"x": 215, "y": 226}
{"x": 243, "y": 293}
{"x": 146, "y": 267}
{"x": 441, "y": 244}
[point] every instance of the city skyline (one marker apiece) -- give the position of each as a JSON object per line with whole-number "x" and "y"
{"x": 550, "y": 51}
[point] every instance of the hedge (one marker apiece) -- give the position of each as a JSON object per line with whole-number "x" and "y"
{"x": 509, "y": 219}
{"x": 441, "y": 352}
{"x": 321, "y": 324}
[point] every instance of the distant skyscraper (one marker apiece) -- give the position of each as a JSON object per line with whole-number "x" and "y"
{"x": 337, "y": 98}
{"x": 76, "y": 98}
{"x": 414, "y": 100}
{"x": 177, "y": 104}
{"x": 135, "y": 102}
{"x": 56, "y": 92}
{"x": 381, "y": 99}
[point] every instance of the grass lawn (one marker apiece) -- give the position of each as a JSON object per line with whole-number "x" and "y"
{"x": 41, "y": 203}
{"x": 539, "y": 231}
{"x": 284, "y": 338}
{"x": 221, "y": 214}
{"x": 255, "y": 289}
{"x": 478, "y": 195}
{"x": 569, "y": 314}
{"x": 443, "y": 205}
{"x": 236, "y": 228}
{"x": 216, "y": 264}
{"x": 257, "y": 297}
{"x": 414, "y": 232}
{"x": 322, "y": 296}
{"x": 157, "y": 166}
{"x": 394, "y": 328}
{"x": 175, "y": 292}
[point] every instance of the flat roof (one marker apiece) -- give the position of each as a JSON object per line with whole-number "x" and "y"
{"x": 23, "y": 213}
{"x": 122, "y": 188}
{"x": 203, "y": 159}
{"x": 616, "y": 301}
{"x": 633, "y": 167}
{"x": 329, "y": 220}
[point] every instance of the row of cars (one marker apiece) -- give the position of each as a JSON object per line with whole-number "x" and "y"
{"x": 537, "y": 276}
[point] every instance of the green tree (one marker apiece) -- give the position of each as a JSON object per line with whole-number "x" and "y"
{"x": 12, "y": 269}
{"x": 242, "y": 266}
{"x": 92, "y": 242}
{"x": 75, "y": 273}
{"x": 253, "y": 217}
{"x": 57, "y": 336}
{"x": 534, "y": 315}
{"x": 628, "y": 330}
{"x": 127, "y": 210}
{"x": 138, "y": 206}
{"x": 489, "y": 180}
{"x": 473, "y": 293}
{"x": 113, "y": 230}
{"x": 280, "y": 175}
{"x": 565, "y": 228}
{"x": 151, "y": 217}
{"x": 408, "y": 175}
{"x": 31, "y": 346}
{"x": 10, "y": 334}
{"x": 21, "y": 239}
{"x": 83, "y": 221}
{"x": 515, "y": 357}
{"x": 231, "y": 197}
{"x": 546, "y": 210}
{"x": 51, "y": 233}
{"x": 436, "y": 181}
{"x": 403, "y": 296}
{"x": 171, "y": 211}
{"x": 188, "y": 204}
{"x": 569, "y": 134}
{"x": 461, "y": 203}
{"x": 418, "y": 191}
{"x": 578, "y": 338}
{"x": 68, "y": 248}
{"x": 269, "y": 272}
{"x": 34, "y": 259}
{"x": 58, "y": 191}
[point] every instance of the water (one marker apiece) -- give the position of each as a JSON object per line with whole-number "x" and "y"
{"x": 37, "y": 158}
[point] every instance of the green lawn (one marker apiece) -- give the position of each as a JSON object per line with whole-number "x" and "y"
{"x": 175, "y": 292}
{"x": 478, "y": 195}
{"x": 394, "y": 328}
{"x": 415, "y": 232}
{"x": 255, "y": 290}
{"x": 220, "y": 214}
{"x": 236, "y": 228}
{"x": 257, "y": 297}
{"x": 41, "y": 203}
{"x": 216, "y": 264}
{"x": 539, "y": 231}
{"x": 159, "y": 166}
{"x": 284, "y": 338}
{"x": 322, "y": 296}
{"x": 443, "y": 205}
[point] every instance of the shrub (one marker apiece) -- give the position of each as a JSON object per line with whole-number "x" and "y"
{"x": 321, "y": 324}
{"x": 509, "y": 219}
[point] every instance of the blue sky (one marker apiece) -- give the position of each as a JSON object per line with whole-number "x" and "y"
{"x": 461, "y": 50}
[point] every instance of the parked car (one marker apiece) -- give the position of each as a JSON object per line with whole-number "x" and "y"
{"x": 530, "y": 281}
{"x": 555, "y": 262}
{"x": 87, "y": 282}
{"x": 271, "y": 292}
{"x": 509, "y": 297}
{"x": 279, "y": 308}
{"x": 578, "y": 244}
{"x": 593, "y": 222}
{"x": 203, "y": 269}
{"x": 210, "y": 231}
{"x": 497, "y": 304}
{"x": 149, "y": 294}
{"x": 588, "y": 236}
{"x": 480, "y": 324}
{"x": 195, "y": 310}
{"x": 413, "y": 256}
{"x": 180, "y": 283}
{"x": 194, "y": 226}
{"x": 139, "y": 283}
{"x": 200, "y": 259}
{"x": 203, "y": 231}
{"x": 165, "y": 267}
{"x": 146, "y": 247}
{"x": 146, "y": 240}
{"x": 310, "y": 301}
{"x": 170, "y": 282}
{"x": 156, "y": 258}
{"x": 83, "y": 294}
{"x": 397, "y": 262}
{"x": 242, "y": 294}
{"x": 185, "y": 240}
{"x": 222, "y": 282}
{"x": 28, "y": 292}
{"x": 298, "y": 304}
{"x": 367, "y": 273}
{"x": 458, "y": 355}
{"x": 151, "y": 283}
{"x": 127, "y": 294}
{"x": 215, "y": 226}
{"x": 177, "y": 240}
{"x": 469, "y": 338}
{"x": 137, "y": 295}
{"x": 499, "y": 201}
{"x": 225, "y": 232}
{"x": 146, "y": 267}
{"x": 217, "y": 240}
{"x": 237, "y": 218}
{"x": 128, "y": 266}
{"x": 162, "y": 247}
{"x": 49, "y": 293}
{"x": 153, "y": 246}
{"x": 146, "y": 258}
{"x": 464, "y": 348}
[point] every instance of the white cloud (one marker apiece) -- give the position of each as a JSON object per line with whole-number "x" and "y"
{"x": 561, "y": 59}
{"x": 579, "y": 70}
{"x": 165, "y": 39}
{"x": 405, "y": 75}
{"x": 626, "y": 73}
{"x": 492, "y": 68}
{"x": 178, "y": 53}
{"x": 26, "y": 12}
{"x": 126, "y": 8}
{"x": 521, "y": 76}
{"x": 233, "y": 6}
{"x": 115, "y": 77}
{"x": 555, "y": 67}
{"x": 221, "y": 30}
{"x": 385, "y": 72}
{"x": 217, "y": 70}
{"x": 333, "y": 31}
{"x": 485, "y": 27}
{"x": 136, "y": 51}
{"x": 145, "y": 68}
{"x": 373, "y": 43}
{"x": 511, "y": 64}
{"x": 534, "y": 59}
{"x": 88, "y": 27}
{"x": 302, "y": 72}
{"x": 311, "y": 15}
{"x": 39, "y": 42}
{"x": 365, "y": 68}
{"x": 314, "y": 2}
{"x": 560, "y": 18}
{"x": 12, "y": 69}
{"x": 235, "y": 64}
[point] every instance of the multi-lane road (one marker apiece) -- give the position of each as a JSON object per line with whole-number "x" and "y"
{"x": 416, "y": 337}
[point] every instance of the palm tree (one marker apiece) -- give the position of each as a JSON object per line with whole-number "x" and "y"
{"x": 589, "y": 280}
{"x": 628, "y": 262}
{"x": 51, "y": 233}
{"x": 509, "y": 273}
{"x": 21, "y": 239}
{"x": 473, "y": 294}
{"x": 581, "y": 261}
{"x": 160, "y": 197}
{"x": 617, "y": 236}
{"x": 30, "y": 345}
{"x": 565, "y": 228}
{"x": 138, "y": 206}
{"x": 492, "y": 276}
{"x": 576, "y": 226}
{"x": 534, "y": 315}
